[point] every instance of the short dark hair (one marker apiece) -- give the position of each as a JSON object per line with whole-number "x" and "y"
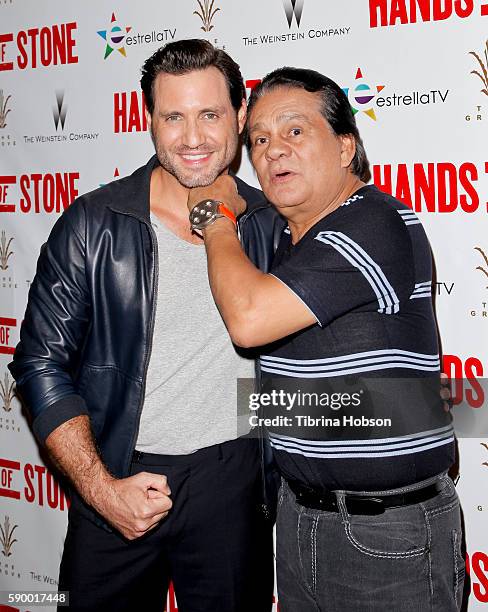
{"x": 183, "y": 56}
{"x": 335, "y": 107}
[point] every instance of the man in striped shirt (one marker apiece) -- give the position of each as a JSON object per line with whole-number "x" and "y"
{"x": 368, "y": 518}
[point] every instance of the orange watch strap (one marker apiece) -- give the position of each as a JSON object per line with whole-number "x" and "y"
{"x": 223, "y": 210}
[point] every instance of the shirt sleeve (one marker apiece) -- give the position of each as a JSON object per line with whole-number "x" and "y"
{"x": 345, "y": 269}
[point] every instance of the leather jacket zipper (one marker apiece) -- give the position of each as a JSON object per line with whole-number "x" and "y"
{"x": 147, "y": 355}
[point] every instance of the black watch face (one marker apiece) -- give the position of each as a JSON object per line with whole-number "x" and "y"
{"x": 203, "y": 213}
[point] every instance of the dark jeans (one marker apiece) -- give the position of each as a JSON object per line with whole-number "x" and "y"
{"x": 408, "y": 558}
{"x": 214, "y": 545}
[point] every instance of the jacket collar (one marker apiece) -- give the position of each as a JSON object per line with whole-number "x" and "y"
{"x": 130, "y": 195}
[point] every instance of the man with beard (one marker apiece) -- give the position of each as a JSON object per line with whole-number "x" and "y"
{"x": 130, "y": 376}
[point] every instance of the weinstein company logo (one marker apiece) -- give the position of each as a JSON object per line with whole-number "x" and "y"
{"x": 293, "y": 12}
{"x": 59, "y": 111}
{"x": 293, "y": 8}
{"x": 7, "y": 392}
{"x": 7, "y": 539}
{"x": 206, "y": 13}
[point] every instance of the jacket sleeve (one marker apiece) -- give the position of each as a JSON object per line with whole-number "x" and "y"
{"x": 55, "y": 325}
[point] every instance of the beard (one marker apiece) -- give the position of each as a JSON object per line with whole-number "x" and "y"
{"x": 197, "y": 177}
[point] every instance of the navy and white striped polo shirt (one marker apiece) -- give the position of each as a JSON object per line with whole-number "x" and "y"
{"x": 365, "y": 271}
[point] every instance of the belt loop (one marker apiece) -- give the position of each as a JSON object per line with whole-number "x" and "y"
{"x": 341, "y": 505}
{"x": 137, "y": 456}
{"x": 220, "y": 454}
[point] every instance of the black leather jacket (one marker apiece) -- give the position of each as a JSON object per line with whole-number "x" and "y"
{"x": 86, "y": 337}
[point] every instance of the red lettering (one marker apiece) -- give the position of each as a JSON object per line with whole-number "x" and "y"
{"x": 49, "y": 46}
{"x": 398, "y": 11}
{"x": 52, "y": 491}
{"x": 71, "y": 58}
{"x": 40, "y": 471}
{"x": 252, "y": 83}
{"x": 120, "y": 112}
{"x": 46, "y": 47}
{"x": 48, "y": 193}
{"x": 6, "y": 478}
{"x": 474, "y": 369}
{"x": 376, "y": 6}
{"x": 464, "y": 170}
{"x": 442, "y": 9}
{"x": 4, "y": 39}
{"x": 134, "y": 123}
{"x": 36, "y": 179}
{"x": 445, "y": 204}
{"x": 73, "y": 191}
{"x": 33, "y": 32}
{"x": 403, "y": 12}
{"x": 6, "y": 471}
{"x": 466, "y": 11}
{"x": 4, "y": 335}
{"x": 132, "y": 119}
{"x": 424, "y": 187}
{"x": 6, "y": 181}
{"x": 22, "y": 59}
{"x": 62, "y": 191}
{"x": 424, "y": 7}
{"x": 29, "y": 492}
{"x": 59, "y": 45}
{"x": 479, "y": 567}
{"x": 435, "y": 188}
{"x": 384, "y": 183}
{"x": 453, "y": 367}
{"x": 463, "y": 375}
{"x": 25, "y": 202}
{"x": 402, "y": 191}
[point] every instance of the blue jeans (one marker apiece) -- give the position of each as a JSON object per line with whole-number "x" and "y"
{"x": 407, "y": 559}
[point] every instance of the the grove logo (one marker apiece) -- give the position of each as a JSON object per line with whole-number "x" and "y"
{"x": 4, "y": 110}
{"x": 6, "y": 537}
{"x": 481, "y": 268}
{"x": 486, "y": 447}
{"x": 5, "y": 251}
{"x": 483, "y": 75}
{"x": 7, "y": 392}
{"x": 206, "y": 13}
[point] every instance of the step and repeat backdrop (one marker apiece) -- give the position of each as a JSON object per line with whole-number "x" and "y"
{"x": 72, "y": 119}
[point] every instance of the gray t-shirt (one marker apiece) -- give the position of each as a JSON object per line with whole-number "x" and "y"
{"x": 191, "y": 387}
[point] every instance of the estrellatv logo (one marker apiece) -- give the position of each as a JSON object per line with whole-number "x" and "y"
{"x": 362, "y": 96}
{"x": 114, "y": 37}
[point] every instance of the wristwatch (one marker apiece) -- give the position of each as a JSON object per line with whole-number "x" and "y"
{"x": 207, "y": 212}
